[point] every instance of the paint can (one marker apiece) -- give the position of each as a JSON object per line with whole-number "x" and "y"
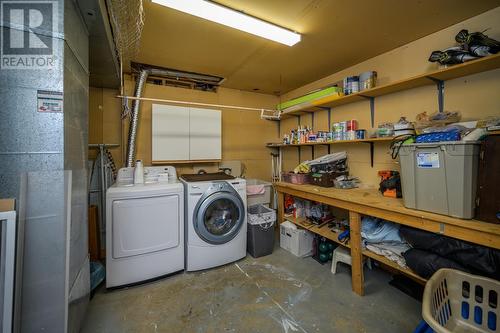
{"x": 336, "y": 127}
{"x": 351, "y": 85}
{"x": 367, "y": 80}
{"x": 343, "y": 126}
{"x": 350, "y": 135}
{"x": 352, "y": 125}
{"x": 360, "y": 134}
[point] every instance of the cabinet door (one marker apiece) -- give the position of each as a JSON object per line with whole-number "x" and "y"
{"x": 170, "y": 133}
{"x": 205, "y": 134}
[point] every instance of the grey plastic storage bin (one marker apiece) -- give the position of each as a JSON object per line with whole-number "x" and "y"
{"x": 440, "y": 177}
{"x": 260, "y": 232}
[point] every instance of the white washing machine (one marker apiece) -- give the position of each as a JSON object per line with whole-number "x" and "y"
{"x": 144, "y": 226}
{"x": 216, "y": 221}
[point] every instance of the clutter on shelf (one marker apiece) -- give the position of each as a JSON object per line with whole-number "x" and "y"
{"x": 437, "y": 119}
{"x": 357, "y": 83}
{"x": 323, "y": 171}
{"x": 383, "y": 238}
{"x": 340, "y": 131}
{"x": 350, "y": 85}
{"x": 346, "y": 182}
{"x": 309, "y": 100}
{"x": 439, "y": 162}
{"x": 384, "y": 130}
{"x": 390, "y": 184}
{"x": 314, "y": 213}
{"x": 471, "y": 46}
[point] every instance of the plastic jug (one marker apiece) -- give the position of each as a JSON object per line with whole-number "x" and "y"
{"x": 139, "y": 172}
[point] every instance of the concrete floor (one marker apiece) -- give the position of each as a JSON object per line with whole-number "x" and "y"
{"x": 276, "y": 293}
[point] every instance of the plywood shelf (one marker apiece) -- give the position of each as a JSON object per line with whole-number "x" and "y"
{"x": 278, "y": 145}
{"x": 453, "y": 72}
{"x": 405, "y": 271}
{"x": 184, "y": 162}
{"x": 331, "y": 235}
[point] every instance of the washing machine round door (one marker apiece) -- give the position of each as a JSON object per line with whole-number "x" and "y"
{"x": 219, "y": 217}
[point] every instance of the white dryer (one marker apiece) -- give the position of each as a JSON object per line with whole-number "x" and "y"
{"x": 144, "y": 226}
{"x": 216, "y": 222}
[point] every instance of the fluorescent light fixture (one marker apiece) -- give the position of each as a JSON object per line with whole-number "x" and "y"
{"x": 213, "y": 12}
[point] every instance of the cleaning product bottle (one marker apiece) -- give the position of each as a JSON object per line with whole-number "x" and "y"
{"x": 138, "y": 173}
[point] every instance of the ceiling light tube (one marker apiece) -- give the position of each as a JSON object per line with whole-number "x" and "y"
{"x": 216, "y": 13}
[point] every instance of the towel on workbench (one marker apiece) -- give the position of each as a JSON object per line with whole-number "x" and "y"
{"x": 375, "y": 230}
{"x": 382, "y": 237}
{"x": 392, "y": 251}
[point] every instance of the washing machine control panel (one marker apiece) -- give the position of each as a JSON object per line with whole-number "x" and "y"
{"x": 222, "y": 186}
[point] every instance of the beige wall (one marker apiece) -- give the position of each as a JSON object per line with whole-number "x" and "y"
{"x": 244, "y": 134}
{"x": 104, "y": 121}
{"x": 476, "y": 96}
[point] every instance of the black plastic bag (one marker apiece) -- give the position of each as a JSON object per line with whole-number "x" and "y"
{"x": 426, "y": 263}
{"x": 477, "y": 259}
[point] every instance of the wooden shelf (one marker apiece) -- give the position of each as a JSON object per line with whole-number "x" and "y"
{"x": 277, "y": 145}
{"x": 406, "y": 271}
{"x": 300, "y": 221}
{"x": 333, "y": 236}
{"x": 430, "y": 78}
{"x": 184, "y": 162}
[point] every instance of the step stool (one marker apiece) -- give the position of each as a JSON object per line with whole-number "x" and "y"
{"x": 341, "y": 254}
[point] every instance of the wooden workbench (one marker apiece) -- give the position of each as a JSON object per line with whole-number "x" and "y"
{"x": 370, "y": 202}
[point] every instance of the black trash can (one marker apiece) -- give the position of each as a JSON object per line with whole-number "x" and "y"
{"x": 260, "y": 232}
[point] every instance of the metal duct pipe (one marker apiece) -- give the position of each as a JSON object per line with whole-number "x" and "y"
{"x": 192, "y": 76}
{"x": 134, "y": 117}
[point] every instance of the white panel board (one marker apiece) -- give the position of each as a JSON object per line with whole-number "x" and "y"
{"x": 205, "y": 127}
{"x": 170, "y": 133}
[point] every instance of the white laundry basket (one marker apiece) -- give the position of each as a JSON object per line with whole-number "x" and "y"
{"x": 263, "y": 197}
{"x": 458, "y": 302}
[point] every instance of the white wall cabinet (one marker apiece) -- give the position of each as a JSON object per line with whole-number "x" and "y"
{"x": 185, "y": 134}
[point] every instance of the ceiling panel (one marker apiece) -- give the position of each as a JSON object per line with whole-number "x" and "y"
{"x": 335, "y": 35}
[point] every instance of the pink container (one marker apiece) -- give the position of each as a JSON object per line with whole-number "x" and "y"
{"x": 296, "y": 178}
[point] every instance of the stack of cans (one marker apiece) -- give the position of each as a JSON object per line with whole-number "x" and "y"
{"x": 345, "y": 130}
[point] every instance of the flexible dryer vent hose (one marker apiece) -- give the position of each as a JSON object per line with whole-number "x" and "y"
{"x": 134, "y": 117}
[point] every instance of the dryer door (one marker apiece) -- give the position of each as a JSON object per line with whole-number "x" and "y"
{"x": 145, "y": 225}
{"x": 219, "y": 217}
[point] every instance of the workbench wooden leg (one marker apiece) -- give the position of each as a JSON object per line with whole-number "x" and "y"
{"x": 281, "y": 207}
{"x": 356, "y": 253}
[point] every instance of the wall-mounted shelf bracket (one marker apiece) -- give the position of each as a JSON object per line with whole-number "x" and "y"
{"x": 440, "y": 89}
{"x": 372, "y": 109}
{"x": 329, "y": 119}
{"x": 372, "y": 152}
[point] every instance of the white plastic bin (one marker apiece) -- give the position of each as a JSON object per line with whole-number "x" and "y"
{"x": 254, "y": 196}
{"x": 297, "y": 241}
{"x": 440, "y": 177}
